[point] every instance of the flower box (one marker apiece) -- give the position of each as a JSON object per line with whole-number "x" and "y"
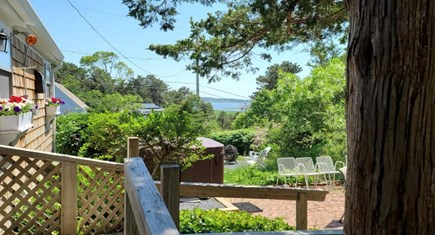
{"x": 20, "y": 122}
{"x": 52, "y": 110}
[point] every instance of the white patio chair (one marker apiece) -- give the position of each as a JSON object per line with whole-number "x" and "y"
{"x": 259, "y": 157}
{"x": 308, "y": 168}
{"x": 287, "y": 168}
{"x": 327, "y": 167}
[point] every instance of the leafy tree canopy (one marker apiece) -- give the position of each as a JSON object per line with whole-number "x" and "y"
{"x": 270, "y": 79}
{"x": 176, "y": 96}
{"x": 305, "y": 117}
{"x": 106, "y": 85}
{"x": 223, "y": 43}
{"x": 115, "y": 102}
{"x": 72, "y": 77}
{"x": 107, "y": 63}
{"x": 149, "y": 88}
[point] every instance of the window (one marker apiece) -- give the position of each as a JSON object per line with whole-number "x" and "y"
{"x": 39, "y": 82}
{"x": 5, "y": 81}
{"x": 49, "y": 92}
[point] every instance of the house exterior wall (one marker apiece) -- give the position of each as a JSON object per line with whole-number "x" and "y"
{"x": 40, "y": 136}
{"x": 17, "y": 20}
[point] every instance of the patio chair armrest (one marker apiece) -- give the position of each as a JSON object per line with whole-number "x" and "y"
{"x": 339, "y": 162}
{"x": 343, "y": 171}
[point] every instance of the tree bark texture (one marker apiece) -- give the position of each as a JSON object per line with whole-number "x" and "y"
{"x": 391, "y": 117}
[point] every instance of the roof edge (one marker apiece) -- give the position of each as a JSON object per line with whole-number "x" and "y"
{"x": 46, "y": 46}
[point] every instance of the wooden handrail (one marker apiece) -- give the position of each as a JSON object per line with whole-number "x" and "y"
{"x": 13, "y": 151}
{"x": 241, "y": 191}
{"x": 150, "y": 213}
{"x": 301, "y": 196}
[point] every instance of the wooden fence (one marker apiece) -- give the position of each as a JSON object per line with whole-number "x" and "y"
{"x": 45, "y": 192}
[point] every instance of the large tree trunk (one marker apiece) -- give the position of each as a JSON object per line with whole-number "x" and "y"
{"x": 391, "y": 117}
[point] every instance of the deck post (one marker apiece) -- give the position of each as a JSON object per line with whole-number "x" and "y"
{"x": 130, "y": 226}
{"x": 69, "y": 198}
{"x": 301, "y": 212}
{"x": 150, "y": 212}
{"x": 170, "y": 190}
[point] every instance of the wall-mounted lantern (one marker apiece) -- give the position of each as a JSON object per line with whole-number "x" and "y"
{"x": 3, "y": 41}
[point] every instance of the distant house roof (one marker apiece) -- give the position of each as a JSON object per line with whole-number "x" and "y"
{"x": 72, "y": 103}
{"x": 146, "y": 108}
{"x": 149, "y": 106}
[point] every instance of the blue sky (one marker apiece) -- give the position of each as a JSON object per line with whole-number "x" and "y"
{"x": 76, "y": 38}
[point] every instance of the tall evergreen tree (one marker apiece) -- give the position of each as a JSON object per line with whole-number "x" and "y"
{"x": 224, "y": 42}
{"x": 390, "y": 89}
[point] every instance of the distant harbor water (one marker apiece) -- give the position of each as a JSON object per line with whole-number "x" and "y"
{"x": 227, "y": 104}
{"x": 230, "y": 106}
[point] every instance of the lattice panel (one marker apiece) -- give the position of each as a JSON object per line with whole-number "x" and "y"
{"x": 101, "y": 200}
{"x": 30, "y": 196}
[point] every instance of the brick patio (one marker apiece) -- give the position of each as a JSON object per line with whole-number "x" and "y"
{"x": 320, "y": 214}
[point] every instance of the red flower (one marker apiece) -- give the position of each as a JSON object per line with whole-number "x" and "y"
{"x": 15, "y": 99}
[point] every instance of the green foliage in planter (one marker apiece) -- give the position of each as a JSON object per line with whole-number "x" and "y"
{"x": 242, "y": 139}
{"x": 216, "y": 221}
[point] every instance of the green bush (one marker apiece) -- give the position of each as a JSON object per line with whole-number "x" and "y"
{"x": 69, "y": 132}
{"x": 303, "y": 117}
{"x": 170, "y": 135}
{"x": 216, "y": 221}
{"x": 242, "y": 139}
{"x": 106, "y": 135}
{"x": 250, "y": 176}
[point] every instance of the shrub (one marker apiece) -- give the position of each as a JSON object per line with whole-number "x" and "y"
{"x": 106, "y": 135}
{"x": 171, "y": 135}
{"x": 242, "y": 139}
{"x": 216, "y": 221}
{"x": 250, "y": 176}
{"x": 69, "y": 136}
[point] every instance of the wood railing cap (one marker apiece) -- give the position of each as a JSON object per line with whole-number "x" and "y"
{"x": 57, "y": 157}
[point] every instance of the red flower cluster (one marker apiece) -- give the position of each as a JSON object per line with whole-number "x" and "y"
{"x": 56, "y": 100}
{"x": 17, "y": 99}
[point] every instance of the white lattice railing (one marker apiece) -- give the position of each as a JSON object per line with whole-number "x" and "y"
{"x": 48, "y": 193}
